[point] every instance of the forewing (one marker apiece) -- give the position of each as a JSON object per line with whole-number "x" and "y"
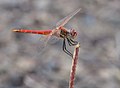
{"x": 67, "y": 18}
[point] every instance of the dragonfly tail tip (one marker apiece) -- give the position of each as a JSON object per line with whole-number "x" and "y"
{"x": 15, "y": 30}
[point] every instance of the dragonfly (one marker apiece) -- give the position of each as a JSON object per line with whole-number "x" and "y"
{"x": 68, "y": 35}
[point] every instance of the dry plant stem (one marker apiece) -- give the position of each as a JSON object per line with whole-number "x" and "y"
{"x": 73, "y": 68}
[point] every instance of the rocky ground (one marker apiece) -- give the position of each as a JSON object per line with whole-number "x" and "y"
{"x": 25, "y": 64}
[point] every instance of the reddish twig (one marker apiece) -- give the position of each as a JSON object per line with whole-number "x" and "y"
{"x": 73, "y": 68}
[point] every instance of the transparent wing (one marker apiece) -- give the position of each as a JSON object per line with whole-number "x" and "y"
{"x": 48, "y": 39}
{"x": 40, "y": 43}
{"x": 67, "y": 18}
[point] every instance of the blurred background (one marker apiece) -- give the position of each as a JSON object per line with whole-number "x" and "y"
{"x": 23, "y": 63}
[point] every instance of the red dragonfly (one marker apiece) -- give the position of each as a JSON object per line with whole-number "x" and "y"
{"x": 60, "y": 31}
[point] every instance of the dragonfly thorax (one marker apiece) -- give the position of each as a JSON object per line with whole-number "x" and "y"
{"x": 64, "y": 34}
{"x": 71, "y": 34}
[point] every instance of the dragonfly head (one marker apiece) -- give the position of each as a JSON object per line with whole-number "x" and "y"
{"x": 73, "y": 33}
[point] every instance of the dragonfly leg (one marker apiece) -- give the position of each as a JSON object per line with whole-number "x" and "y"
{"x": 71, "y": 42}
{"x": 74, "y": 42}
{"x": 65, "y": 49}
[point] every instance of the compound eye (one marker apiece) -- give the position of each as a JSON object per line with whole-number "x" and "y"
{"x": 73, "y": 33}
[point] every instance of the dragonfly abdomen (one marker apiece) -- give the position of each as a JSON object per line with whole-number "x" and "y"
{"x": 43, "y": 32}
